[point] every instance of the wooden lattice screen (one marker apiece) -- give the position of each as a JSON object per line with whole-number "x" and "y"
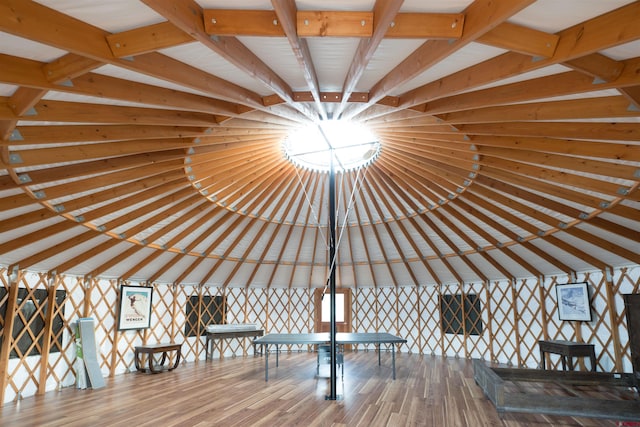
{"x": 514, "y": 315}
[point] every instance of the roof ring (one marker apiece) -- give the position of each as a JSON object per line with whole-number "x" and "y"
{"x": 353, "y": 146}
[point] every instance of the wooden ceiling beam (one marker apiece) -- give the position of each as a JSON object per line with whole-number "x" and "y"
{"x": 105, "y": 150}
{"x": 94, "y": 251}
{"x": 83, "y": 185}
{"x": 624, "y": 211}
{"x": 37, "y": 235}
{"x": 173, "y": 199}
{"x": 334, "y": 24}
{"x": 442, "y": 150}
{"x": 569, "y": 83}
{"x": 270, "y": 197}
{"x": 598, "y": 66}
{"x": 61, "y": 31}
{"x": 229, "y": 171}
{"x": 444, "y": 26}
{"x": 481, "y": 196}
{"x": 500, "y": 193}
{"x": 619, "y": 131}
{"x": 521, "y": 39}
{"x": 632, "y": 93}
{"x": 91, "y": 168}
{"x": 170, "y": 178}
{"x": 432, "y": 193}
{"x": 583, "y": 108}
{"x": 558, "y": 208}
{"x": 189, "y": 17}
{"x": 548, "y": 178}
{"x": 195, "y": 202}
{"x": 582, "y": 198}
{"x": 437, "y": 213}
{"x": 578, "y": 253}
{"x": 604, "y": 244}
{"x": 506, "y": 273}
{"x": 438, "y": 253}
{"x": 480, "y": 17}
{"x": 119, "y": 204}
{"x": 580, "y": 40}
{"x": 367, "y": 186}
{"x": 122, "y": 255}
{"x": 384, "y": 13}
{"x": 582, "y": 148}
{"x": 56, "y": 249}
{"x": 615, "y": 228}
{"x": 146, "y": 39}
{"x": 25, "y": 219}
{"x": 246, "y": 191}
{"x": 285, "y": 11}
{"x": 73, "y": 112}
{"x": 561, "y": 162}
{"x": 446, "y": 176}
{"x": 66, "y": 134}
{"x": 178, "y": 256}
{"x": 205, "y": 216}
{"x": 15, "y": 201}
{"x": 227, "y": 162}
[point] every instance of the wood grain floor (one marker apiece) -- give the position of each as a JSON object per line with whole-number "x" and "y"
{"x": 429, "y": 391}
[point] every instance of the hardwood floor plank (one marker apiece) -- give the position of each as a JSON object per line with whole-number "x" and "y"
{"x": 429, "y": 391}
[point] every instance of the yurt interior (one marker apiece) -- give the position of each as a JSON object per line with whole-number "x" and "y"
{"x": 319, "y": 213}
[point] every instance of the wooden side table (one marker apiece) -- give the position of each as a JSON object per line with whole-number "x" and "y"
{"x": 567, "y": 351}
{"x": 150, "y": 350}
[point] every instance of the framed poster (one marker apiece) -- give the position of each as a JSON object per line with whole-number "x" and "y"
{"x": 573, "y": 301}
{"x": 135, "y": 307}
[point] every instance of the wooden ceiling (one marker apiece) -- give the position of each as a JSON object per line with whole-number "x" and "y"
{"x": 142, "y": 140}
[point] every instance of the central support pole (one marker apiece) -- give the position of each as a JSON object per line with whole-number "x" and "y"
{"x": 332, "y": 277}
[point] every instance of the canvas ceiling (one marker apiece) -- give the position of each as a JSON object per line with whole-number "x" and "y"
{"x": 509, "y": 149}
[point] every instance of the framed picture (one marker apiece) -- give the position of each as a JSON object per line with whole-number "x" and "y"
{"x": 135, "y": 307}
{"x": 573, "y": 302}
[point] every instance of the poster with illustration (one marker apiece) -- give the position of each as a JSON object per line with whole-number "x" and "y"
{"x": 573, "y": 302}
{"x": 135, "y": 307}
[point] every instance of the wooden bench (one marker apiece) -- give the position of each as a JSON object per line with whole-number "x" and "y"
{"x": 150, "y": 350}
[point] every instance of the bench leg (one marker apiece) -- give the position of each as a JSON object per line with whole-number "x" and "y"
{"x": 177, "y": 362}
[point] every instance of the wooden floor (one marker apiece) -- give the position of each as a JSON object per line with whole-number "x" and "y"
{"x": 429, "y": 391}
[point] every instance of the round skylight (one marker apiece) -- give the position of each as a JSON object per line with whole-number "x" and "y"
{"x": 351, "y": 144}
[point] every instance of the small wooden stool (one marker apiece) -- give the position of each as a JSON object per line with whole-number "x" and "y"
{"x": 150, "y": 350}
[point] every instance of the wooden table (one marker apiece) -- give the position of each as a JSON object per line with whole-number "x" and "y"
{"x": 213, "y": 336}
{"x": 567, "y": 351}
{"x": 150, "y": 350}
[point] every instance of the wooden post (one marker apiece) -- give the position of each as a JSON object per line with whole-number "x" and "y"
{"x": 14, "y": 275}
{"x": 516, "y": 316}
{"x": 463, "y": 317}
{"x": 442, "y": 349}
{"x": 419, "y": 317}
{"x": 174, "y": 311}
{"x": 48, "y": 327}
{"x": 613, "y": 318}
{"x": 116, "y": 333}
{"x": 492, "y": 355}
{"x": 87, "y": 286}
{"x": 543, "y": 311}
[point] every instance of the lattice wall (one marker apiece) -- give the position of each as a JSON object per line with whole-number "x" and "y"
{"x": 514, "y": 316}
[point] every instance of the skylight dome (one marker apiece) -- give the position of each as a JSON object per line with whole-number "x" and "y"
{"x": 352, "y": 144}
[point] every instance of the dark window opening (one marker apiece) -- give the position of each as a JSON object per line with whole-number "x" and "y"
{"x": 32, "y": 319}
{"x": 461, "y": 315}
{"x": 210, "y": 310}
